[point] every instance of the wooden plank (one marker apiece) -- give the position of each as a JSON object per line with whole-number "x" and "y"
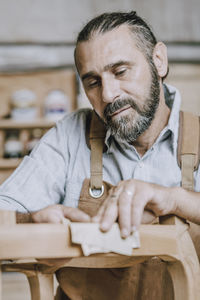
{"x": 41, "y": 240}
{"x": 7, "y": 218}
{"x": 0, "y": 283}
{"x": 49, "y": 242}
{"x": 171, "y": 243}
{"x": 38, "y": 123}
{"x": 53, "y": 241}
{"x": 185, "y": 272}
{"x": 2, "y": 140}
{"x": 177, "y": 246}
{"x": 41, "y": 286}
{"x": 9, "y": 163}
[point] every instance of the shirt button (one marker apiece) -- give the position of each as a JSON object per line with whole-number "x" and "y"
{"x": 141, "y": 164}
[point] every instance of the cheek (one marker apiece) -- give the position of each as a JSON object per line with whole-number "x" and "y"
{"x": 144, "y": 82}
{"x": 138, "y": 90}
{"x": 139, "y": 83}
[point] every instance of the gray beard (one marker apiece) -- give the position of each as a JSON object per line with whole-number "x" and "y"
{"x": 127, "y": 128}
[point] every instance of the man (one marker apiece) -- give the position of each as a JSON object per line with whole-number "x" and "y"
{"x": 122, "y": 68}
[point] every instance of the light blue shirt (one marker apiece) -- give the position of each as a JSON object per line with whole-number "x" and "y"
{"x": 55, "y": 170}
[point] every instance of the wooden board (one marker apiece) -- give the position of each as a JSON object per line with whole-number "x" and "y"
{"x": 28, "y": 242}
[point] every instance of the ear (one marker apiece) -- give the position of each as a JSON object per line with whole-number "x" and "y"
{"x": 160, "y": 59}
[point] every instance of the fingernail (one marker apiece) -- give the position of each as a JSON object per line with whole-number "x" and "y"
{"x": 104, "y": 226}
{"x": 124, "y": 233}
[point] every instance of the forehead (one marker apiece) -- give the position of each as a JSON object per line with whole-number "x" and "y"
{"x": 106, "y": 48}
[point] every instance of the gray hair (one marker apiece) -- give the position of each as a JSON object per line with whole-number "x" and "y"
{"x": 145, "y": 39}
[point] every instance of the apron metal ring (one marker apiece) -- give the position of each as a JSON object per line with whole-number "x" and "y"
{"x": 96, "y": 193}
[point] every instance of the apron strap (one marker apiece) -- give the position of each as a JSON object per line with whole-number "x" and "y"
{"x": 96, "y": 139}
{"x": 188, "y": 148}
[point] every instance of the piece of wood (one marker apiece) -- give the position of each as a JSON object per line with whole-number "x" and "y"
{"x": 0, "y": 283}
{"x": 2, "y": 140}
{"x": 41, "y": 286}
{"x": 185, "y": 272}
{"x": 10, "y": 163}
{"x": 38, "y": 123}
{"x": 53, "y": 241}
{"x": 171, "y": 243}
{"x": 184, "y": 269}
{"x": 7, "y": 219}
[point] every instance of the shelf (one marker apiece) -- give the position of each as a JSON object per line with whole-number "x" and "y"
{"x": 9, "y": 163}
{"x": 12, "y": 124}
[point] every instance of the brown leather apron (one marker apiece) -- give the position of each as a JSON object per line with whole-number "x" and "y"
{"x": 145, "y": 281}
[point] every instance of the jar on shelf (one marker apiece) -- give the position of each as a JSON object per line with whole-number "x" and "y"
{"x": 23, "y": 105}
{"x": 13, "y": 147}
{"x": 56, "y": 105}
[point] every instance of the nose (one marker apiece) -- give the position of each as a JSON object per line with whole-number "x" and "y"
{"x": 110, "y": 90}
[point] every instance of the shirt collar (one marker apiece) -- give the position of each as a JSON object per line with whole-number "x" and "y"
{"x": 173, "y": 100}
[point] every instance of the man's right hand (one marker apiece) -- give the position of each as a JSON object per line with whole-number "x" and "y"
{"x": 56, "y": 214}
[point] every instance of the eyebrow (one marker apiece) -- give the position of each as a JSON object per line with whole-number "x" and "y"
{"x": 106, "y": 68}
{"x": 88, "y": 75}
{"x": 118, "y": 64}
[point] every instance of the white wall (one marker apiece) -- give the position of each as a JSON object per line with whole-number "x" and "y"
{"x": 41, "y": 33}
{"x": 60, "y": 20}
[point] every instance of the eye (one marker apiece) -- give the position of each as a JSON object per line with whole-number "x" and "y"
{"x": 93, "y": 83}
{"x": 120, "y": 72}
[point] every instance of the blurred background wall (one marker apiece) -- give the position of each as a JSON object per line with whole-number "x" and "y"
{"x": 38, "y": 34}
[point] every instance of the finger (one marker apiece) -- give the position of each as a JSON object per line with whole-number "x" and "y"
{"x": 137, "y": 212}
{"x": 55, "y": 216}
{"x": 100, "y": 213}
{"x": 75, "y": 214}
{"x": 97, "y": 218}
{"x": 110, "y": 213}
{"x": 125, "y": 201}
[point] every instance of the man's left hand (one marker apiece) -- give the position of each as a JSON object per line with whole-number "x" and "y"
{"x": 133, "y": 202}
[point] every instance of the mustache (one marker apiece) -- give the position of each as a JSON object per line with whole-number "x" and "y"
{"x": 111, "y": 108}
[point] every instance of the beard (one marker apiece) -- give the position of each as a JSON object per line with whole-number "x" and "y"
{"x": 129, "y": 127}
